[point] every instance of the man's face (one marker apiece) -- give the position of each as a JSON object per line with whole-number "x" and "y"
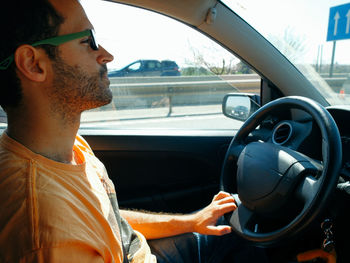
{"x": 76, "y": 90}
{"x": 79, "y": 73}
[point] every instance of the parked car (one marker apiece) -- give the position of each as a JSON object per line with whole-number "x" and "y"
{"x": 293, "y": 197}
{"x": 141, "y": 68}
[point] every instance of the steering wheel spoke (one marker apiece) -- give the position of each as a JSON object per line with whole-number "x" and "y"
{"x": 307, "y": 190}
{"x": 241, "y": 218}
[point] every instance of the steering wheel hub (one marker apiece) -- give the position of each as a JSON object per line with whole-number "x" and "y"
{"x": 267, "y": 175}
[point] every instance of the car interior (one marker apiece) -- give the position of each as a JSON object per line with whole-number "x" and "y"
{"x": 287, "y": 163}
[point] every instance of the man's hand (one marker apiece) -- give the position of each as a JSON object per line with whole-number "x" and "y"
{"x": 205, "y": 220}
{"x": 164, "y": 225}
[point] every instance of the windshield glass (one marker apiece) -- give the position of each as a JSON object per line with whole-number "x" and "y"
{"x": 314, "y": 35}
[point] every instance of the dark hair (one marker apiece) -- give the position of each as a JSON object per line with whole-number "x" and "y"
{"x": 24, "y": 22}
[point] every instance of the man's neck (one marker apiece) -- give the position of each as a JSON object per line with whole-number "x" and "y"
{"x": 50, "y": 137}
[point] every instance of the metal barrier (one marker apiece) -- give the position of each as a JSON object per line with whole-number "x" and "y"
{"x": 152, "y": 92}
{"x": 148, "y": 92}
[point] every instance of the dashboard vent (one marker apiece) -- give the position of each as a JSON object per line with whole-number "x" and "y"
{"x": 282, "y": 133}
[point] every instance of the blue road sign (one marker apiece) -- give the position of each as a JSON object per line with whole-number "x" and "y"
{"x": 339, "y": 22}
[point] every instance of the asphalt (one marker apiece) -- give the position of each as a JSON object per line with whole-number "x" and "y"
{"x": 100, "y": 115}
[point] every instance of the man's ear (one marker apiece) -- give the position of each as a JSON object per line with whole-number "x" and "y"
{"x": 31, "y": 62}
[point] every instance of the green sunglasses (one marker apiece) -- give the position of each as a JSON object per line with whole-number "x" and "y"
{"x": 55, "y": 41}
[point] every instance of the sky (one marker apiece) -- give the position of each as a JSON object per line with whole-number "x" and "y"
{"x": 130, "y": 33}
{"x": 308, "y": 18}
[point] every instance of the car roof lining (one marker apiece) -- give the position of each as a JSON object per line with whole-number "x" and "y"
{"x": 252, "y": 48}
{"x": 194, "y": 14}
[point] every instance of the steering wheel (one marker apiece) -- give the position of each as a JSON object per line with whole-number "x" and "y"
{"x": 270, "y": 178}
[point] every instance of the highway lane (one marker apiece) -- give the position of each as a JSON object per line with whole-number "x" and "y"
{"x": 191, "y": 122}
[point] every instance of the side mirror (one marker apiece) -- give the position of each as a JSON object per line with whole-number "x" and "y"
{"x": 240, "y": 106}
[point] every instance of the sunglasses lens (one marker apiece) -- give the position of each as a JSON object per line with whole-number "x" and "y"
{"x": 93, "y": 43}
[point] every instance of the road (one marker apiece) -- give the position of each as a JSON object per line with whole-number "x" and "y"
{"x": 207, "y": 117}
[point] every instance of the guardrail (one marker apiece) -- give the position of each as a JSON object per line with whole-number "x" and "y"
{"x": 148, "y": 92}
{"x": 336, "y": 83}
{"x": 153, "y": 92}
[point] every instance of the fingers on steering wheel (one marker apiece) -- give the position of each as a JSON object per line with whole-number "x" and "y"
{"x": 221, "y": 195}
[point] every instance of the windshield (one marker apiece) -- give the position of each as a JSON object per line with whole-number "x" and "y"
{"x": 314, "y": 35}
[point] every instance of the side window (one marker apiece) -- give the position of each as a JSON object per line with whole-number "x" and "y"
{"x": 151, "y": 65}
{"x": 185, "y": 78}
{"x": 135, "y": 66}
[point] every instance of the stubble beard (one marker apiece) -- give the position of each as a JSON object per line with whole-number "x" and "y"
{"x": 74, "y": 90}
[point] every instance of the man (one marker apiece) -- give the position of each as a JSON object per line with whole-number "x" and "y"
{"x": 58, "y": 204}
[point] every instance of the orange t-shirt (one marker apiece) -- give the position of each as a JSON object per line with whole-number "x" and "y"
{"x": 56, "y": 212}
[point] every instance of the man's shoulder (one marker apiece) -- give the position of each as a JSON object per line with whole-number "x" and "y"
{"x": 13, "y": 153}
{"x": 12, "y": 165}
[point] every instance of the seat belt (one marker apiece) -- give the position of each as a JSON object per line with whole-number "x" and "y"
{"x": 125, "y": 255}
{"x": 112, "y": 196}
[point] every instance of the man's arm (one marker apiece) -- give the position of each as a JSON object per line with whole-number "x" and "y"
{"x": 204, "y": 221}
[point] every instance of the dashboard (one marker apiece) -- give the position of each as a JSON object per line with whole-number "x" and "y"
{"x": 342, "y": 118}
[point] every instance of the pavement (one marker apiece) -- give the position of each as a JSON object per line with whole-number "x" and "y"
{"x": 100, "y": 115}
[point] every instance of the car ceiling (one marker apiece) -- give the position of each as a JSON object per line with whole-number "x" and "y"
{"x": 192, "y": 12}
{"x": 252, "y": 48}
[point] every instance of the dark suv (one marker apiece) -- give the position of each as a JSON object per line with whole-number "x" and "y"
{"x": 170, "y": 68}
{"x": 141, "y": 68}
